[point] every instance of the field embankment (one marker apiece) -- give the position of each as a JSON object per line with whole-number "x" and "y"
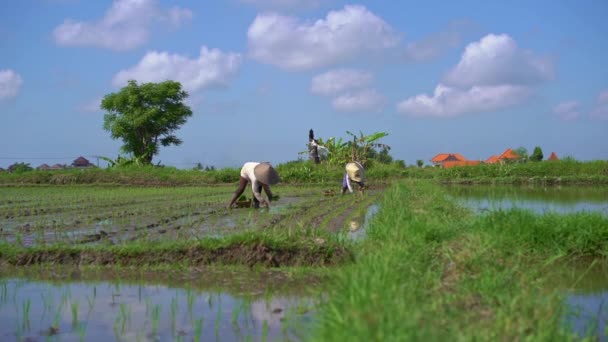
{"x": 431, "y": 270}
{"x": 304, "y": 172}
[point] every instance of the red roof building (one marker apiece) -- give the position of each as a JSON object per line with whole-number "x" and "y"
{"x": 81, "y": 162}
{"x": 492, "y": 160}
{"x": 448, "y": 160}
{"x": 553, "y": 156}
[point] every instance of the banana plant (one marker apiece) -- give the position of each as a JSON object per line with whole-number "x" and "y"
{"x": 337, "y": 151}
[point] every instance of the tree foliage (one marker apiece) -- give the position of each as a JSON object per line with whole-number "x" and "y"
{"x": 522, "y": 152}
{"x": 146, "y": 116}
{"x": 360, "y": 147}
{"x": 20, "y": 167}
{"x": 537, "y": 154}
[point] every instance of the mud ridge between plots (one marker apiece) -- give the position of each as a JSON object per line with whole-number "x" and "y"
{"x": 256, "y": 254}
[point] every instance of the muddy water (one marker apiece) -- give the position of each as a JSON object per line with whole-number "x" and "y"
{"x": 560, "y": 199}
{"x": 107, "y": 311}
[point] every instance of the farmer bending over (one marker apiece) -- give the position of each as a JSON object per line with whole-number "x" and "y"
{"x": 261, "y": 175}
{"x": 355, "y": 173}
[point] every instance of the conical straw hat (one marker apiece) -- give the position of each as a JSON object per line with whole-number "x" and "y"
{"x": 265, "y": 173}
{"x": 355, "y": 172}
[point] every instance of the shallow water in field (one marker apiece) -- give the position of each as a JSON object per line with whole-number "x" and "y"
{"x": 107, "y": 311}
{"x": 558, "y": 199}
{"x": 586, "y": 297}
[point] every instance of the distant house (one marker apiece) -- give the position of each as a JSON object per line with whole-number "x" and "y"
{"x": 56, "y": 167}
{"x": 442, "y": 158}
{"x": 492, "y": 160}
{"x": 553, "y": 156}
{"x": 81, "y": 162}
{"x": 2, "y": 170}
{"x": 508, "y": 156}
{"x": 447, "y": 160}
{"x": 43, "y": 167}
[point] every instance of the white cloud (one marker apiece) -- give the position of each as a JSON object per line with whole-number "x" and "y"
{"x": 125, "y": 25}
{"x": 496, "y": 60}
{"x": 338, "y": 81}
{"x": 10, "y": 83}
{"x": 569, "y": 110}
{"x": 451, "y": 102}
{"x": 365, "y": 100}
{"x": 601, "y": 108}
{"x": 212, "y": 68}
{"x": 343, "y": 35}
{"x": 492, "y": 74}
{"x": 283, "y": 4}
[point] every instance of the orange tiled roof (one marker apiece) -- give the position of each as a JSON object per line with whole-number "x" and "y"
{"x": 443, "y": 157}
{"x": 449, "y": 164}
{"x": 440, "y": 157}
{"x": 553, "y": 156}
{"x": 492, "y": 160}
{"x": 508, "y": 154}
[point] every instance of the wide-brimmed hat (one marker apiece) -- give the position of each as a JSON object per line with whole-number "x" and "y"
{"x": 265, "y": 173}
{"x": 355, "y": 172}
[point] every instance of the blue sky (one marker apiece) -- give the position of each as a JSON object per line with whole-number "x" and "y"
{"x": 473, "y": 77}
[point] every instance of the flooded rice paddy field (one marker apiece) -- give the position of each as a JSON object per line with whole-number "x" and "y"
{"x": 211, "y": 306}
{"x": 57, "y": 302}
{"x": 102, "y": 214}
{"x": 557, "y": 199}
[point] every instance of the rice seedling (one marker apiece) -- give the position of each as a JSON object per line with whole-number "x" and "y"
{"x": 26, "y": 305}
{"x": 74, "y": 307}
{"x": 155, "y": 318}
{"x": 264, "y": 336}
{"x": 198, "y": 329}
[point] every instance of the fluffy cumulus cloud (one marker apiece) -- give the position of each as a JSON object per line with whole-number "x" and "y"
{"x": 496, "y": 60}
{"x": 283, "y": 4}
{"x": 363, "y": 100}
{"x": 343, "y": 35}
{"x": 338, "y": 81}
{"x": 450, "y": 102}
{"x": 492, "y": 74}
{"x": 212, "y": 68}
{"x": 601, "y": 107}
{"x": 569, "y": 110}
{"x": 125, "y": 25}
{"x": 10, "y": 83}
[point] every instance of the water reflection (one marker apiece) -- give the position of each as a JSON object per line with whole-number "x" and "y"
{"x": 587, "y": 315}
{"x": 560, "y": 199}
{"x": 105, "y": 311}
{"x": 358, "y": 227}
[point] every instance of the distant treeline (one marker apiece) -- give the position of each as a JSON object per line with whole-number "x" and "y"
{"x": 554, "y": 172}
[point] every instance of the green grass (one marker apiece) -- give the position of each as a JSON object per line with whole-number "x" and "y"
{"x": 430, "y": 270}
{"x": 285, "y": 247}
{"x": 294, "y": 172}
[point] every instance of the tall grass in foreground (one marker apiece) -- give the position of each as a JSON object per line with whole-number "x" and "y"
{"x": 432, "y": 271}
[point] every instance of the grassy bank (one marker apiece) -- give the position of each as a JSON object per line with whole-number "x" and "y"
{"x": 269, "y": 248}
{"x": 295, "y": 172}
{"x": 432, "y": 271}
{"x": 291, "y": 173}
{"x": 545, "y": 173}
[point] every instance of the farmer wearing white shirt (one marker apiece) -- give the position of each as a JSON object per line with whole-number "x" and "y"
{"x": 355, "y": 173}
{"x": 261, "y": 176}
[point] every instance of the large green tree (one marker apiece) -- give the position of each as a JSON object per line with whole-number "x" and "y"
{"x": 146, "y": 116}
{"x": 537, "y": 154}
